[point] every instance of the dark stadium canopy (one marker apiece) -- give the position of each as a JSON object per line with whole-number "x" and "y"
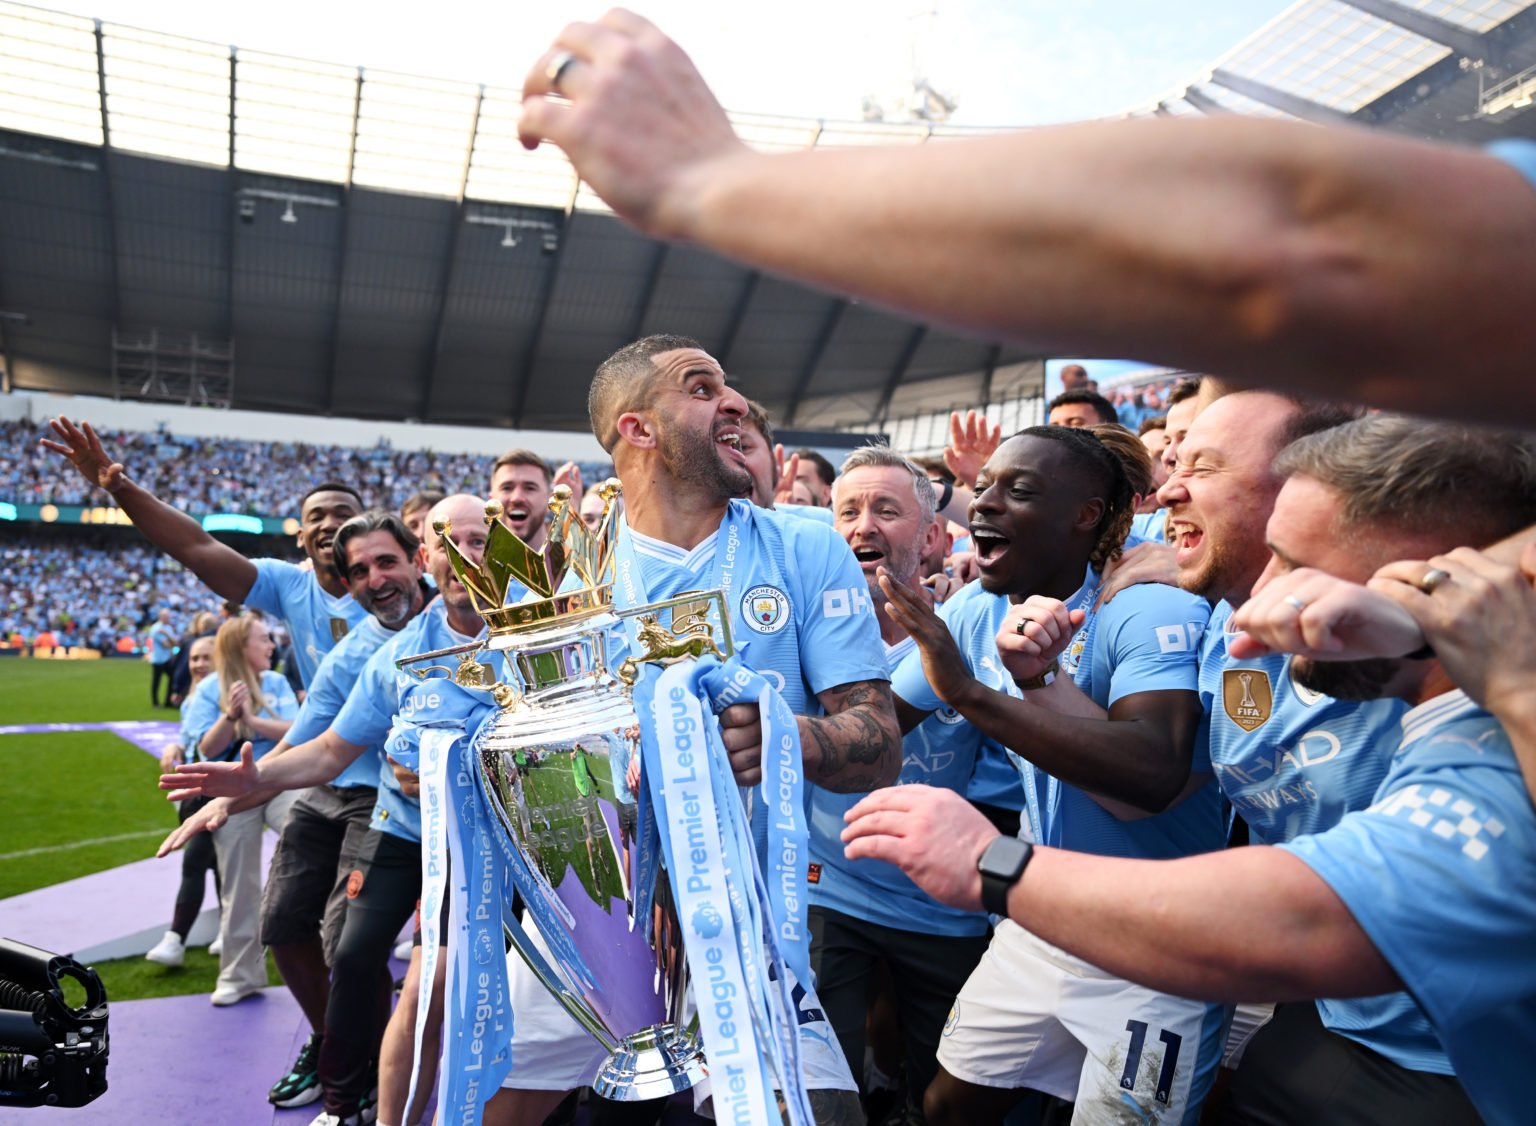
{"x": 184, "y": 221}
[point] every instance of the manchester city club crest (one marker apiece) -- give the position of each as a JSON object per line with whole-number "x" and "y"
{"x": 765, "y": 609}
{"x": 1073, "y": 656}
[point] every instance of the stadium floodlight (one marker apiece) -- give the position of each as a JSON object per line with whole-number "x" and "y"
{"x": 289, "y": 200}
{"x": 512, "y": 224}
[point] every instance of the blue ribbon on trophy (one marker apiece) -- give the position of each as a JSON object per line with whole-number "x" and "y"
{"x": 435, "y": 749}
{"x": 736, "y": 962}
{"x": 477, "y": 1015}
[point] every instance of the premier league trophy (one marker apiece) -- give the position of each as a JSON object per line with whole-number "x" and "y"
{"x": 558, "y": 763}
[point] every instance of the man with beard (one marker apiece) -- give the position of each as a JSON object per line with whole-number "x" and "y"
{"x": 862, "y": 912}
{"x": 1290, "y": 759}
{"x": 305, "y": 899}
{"x": 383, "y": 886}
{"x": 1429, "y": 886}
{"x": 315, "y": 604}
{"x": 800, "y": 616}
{"x": 1113, "y": 766}
{"x": 521, "y": 482}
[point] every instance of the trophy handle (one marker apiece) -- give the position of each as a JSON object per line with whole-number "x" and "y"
{"x": 468, "y": 673}
{"x": 551, "y": 980}
{"x": 664, "y": 646}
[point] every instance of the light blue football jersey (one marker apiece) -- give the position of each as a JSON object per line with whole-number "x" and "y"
{"x": 1290, "y": 761}
{"x": 316, "y": 620}
{"x": 388, "y": 707}
{"x": 1440, "y": 872}
{"x": 1147, "y": 642}
{"x": 799, "y": 604}
{"x": 1149, "y": 527}
{"x": 1293, "y": 762}
{"x": 807, "y": 512}
{"x": 877, "y": 891}
{"x": 328, "y": 693}
{"x": 995, "y": 780}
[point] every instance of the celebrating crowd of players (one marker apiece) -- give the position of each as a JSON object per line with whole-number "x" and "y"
{"x": 1090, "y": 691}
{"x": 1321, "y": 639}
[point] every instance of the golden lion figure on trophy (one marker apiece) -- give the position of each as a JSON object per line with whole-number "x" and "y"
{"x": 690, "y": 636}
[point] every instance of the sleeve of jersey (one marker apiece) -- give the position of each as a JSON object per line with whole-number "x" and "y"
{"x": 1153, "y": 633}
{"x": 273, "y": 580}
{"x": 839, "y": 636}
{"x": 365, "y": 718}
{"x": 1441, "y": 872}
{"x": 909, "y": 683}
{"x": 322, "y": 703}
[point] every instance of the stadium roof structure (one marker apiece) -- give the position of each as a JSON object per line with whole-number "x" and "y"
{"x": 192, "y": 222}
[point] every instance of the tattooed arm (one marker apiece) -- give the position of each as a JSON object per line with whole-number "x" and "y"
{"x": 856, "y": 746}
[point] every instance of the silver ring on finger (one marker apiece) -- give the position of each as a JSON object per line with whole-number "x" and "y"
{"x": 1431, "y": 579}
{"x": 1295, "y": 603}
{"x": 557, "y": 67}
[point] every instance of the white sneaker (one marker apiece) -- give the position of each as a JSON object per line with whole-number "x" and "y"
{"x": 403, "y": 950}
{"x": 169, "y": 951}
{"x": 216, "y": 947}
{"x": 232, "y": 994}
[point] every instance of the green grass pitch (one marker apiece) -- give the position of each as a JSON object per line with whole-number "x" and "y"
{"x": 73, "y": 803}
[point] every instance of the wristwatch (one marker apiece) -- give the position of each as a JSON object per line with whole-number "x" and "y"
{"x": 1001, "y": 864}
{"x": 1046, "y": 678}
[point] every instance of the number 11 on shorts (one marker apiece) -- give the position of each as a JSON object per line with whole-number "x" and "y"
{"x": 1171, "y": 1044}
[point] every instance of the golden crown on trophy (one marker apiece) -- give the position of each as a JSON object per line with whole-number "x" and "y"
{"x": 571, "y": 577}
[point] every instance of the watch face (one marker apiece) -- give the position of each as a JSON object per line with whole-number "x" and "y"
{"x": 1000, "y": 865}
{"x": 1004, "y": 858}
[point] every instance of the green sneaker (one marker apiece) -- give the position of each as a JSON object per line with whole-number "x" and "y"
{"x": 301, "y": 1085}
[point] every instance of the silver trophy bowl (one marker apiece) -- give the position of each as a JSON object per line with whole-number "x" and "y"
{"x": 559, "y": 762}
{"x": 555, "y": 762}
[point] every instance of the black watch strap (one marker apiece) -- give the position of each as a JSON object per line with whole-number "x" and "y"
{"x": 1001, "y": 864}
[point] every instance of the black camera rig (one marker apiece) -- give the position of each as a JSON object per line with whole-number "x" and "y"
{"x": 51, "y": 1054}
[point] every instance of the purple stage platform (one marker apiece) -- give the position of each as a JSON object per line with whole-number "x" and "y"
{"x": 152, "y": 735}
{"x": 112, "y": 914}
{"x": 174, "y": 1061}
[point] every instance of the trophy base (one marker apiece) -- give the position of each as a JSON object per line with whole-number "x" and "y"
{"x": 651, "y": 1064}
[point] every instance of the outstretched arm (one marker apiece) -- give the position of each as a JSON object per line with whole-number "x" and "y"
{"x": 1138, "y": 755}
{"x": 222, "y": 569}
{"x": 308, "y": 764}
{"x": 1166, "y": 924}
{"x": 1344, "y": 262}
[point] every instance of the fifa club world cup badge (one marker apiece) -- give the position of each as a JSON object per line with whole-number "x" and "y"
{"x": 1247, "y": 696}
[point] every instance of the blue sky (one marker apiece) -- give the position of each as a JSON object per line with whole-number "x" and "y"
{"x": 1020, "y": 62}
